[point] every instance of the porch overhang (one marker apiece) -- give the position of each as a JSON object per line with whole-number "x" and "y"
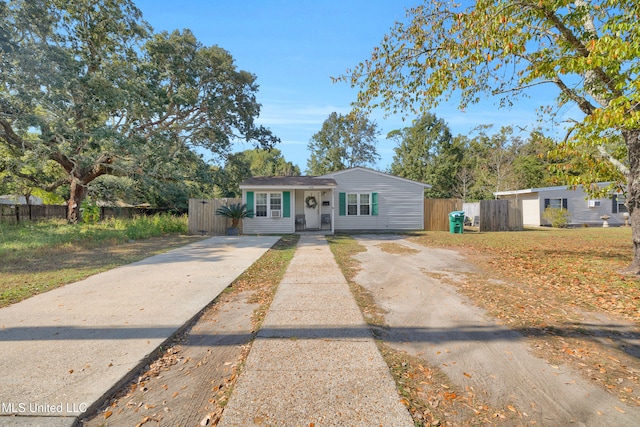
{"x": 323, "y": 189}
{"x": 289, "y": 183}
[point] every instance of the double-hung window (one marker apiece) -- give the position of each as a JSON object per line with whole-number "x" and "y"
{"x": 358, "y": 204}
{"x": 268, "y": 205}
{"x": 365, "y": 204}
{"x": 262, "y": 206}
{"x": 275, "y": 201}
{"x": 555, "y": 203}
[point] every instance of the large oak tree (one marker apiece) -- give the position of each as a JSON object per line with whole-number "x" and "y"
{"x": 587, "y": 50}
{"x": 87, "y": 89}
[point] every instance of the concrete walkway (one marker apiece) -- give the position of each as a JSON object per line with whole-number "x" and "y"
{"x": 314, "y": 361}
{"x": 62, "y": 351}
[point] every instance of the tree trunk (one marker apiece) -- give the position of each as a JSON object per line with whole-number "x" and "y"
{"x": 76, "y": 196}
{"x": 632, "y": 140}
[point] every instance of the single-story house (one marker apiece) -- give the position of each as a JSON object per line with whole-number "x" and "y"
{"x": 357, "y": 199}
{"x": 582, "y": 209}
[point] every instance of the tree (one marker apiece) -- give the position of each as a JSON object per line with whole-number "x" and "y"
{"x": 86, "y": 90}
{"x": 248, "y": 163}
{"x": 343, "y": 142}
{"x": 236, "y": 169}
{"x": 532, "y": 166}
{"x": 588, "y": 51}
{"x": 426, "y": 152}
{"x": 269, "y": 163}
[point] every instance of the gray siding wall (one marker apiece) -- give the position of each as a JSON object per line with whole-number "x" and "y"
{"x": 578, "y": 207}
{"x": 400, "y": 202}
{"x": 268, "y": 225}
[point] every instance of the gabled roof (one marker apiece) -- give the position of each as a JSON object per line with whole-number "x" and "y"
{"x": 375, "y": 172}
{"x": 288, "y": 182}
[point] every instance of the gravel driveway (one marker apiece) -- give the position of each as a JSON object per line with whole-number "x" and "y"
{"x": 429, "y": 319}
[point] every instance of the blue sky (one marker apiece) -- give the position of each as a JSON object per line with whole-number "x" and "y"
{"x": 295, "y": 46}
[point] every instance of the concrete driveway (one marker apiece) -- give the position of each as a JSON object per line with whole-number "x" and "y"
{"x": 62, "y": 351}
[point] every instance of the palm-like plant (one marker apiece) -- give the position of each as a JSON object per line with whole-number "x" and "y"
{"x": 236, "y": 212}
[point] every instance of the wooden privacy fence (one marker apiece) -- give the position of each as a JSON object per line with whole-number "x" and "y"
{"x": 501, "y": 215}
{"x": 203, "y": 219}
{"x": 436, "y": 213}
{"x": 20, "y": 213}
{"x": 492, "y": 215}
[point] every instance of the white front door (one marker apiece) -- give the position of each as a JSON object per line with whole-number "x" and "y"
{"x": 312, "y": 203}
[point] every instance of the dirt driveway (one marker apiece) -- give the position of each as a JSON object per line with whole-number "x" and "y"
{"x": 430, "y": 320}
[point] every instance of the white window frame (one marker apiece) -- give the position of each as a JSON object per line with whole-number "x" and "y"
{"x": 359, "y": 204}
{"x": 621, "y": 200}
{"x": 558, "y": 201}
{"x": 265, "y": 204}
{"x": 271, "y": 198}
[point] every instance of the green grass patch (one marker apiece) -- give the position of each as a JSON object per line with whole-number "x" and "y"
{"x": 39, "y": 256}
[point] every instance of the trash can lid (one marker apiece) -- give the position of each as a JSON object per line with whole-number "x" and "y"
{"x": 456, "y": 213}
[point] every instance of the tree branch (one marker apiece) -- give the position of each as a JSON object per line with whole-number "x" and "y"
{"x": 584, "y": 105}
{"x": 597, "y": 73}
{"x": 617, "y": 163}
{"x": 11, "y": 137}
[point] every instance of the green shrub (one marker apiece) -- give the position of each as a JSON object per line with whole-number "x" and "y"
{"x": 558, "y": 218}
{"x": 143, "y": 227}
{"x": 90, "y": 212}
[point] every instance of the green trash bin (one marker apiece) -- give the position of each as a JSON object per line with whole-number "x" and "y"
{"x": 456, "y": 222}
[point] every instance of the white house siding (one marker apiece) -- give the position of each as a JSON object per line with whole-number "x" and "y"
{"x": 400, "y": 201}
{"x": 268, "y": 225}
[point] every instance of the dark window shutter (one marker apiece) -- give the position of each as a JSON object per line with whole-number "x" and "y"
{"x": 374, "y": 204}
{"x": 565, "y": 204}
{"x": 250, "y": 200}
{"x": 547, "y": 203}
{"x": 286, "y": 204}
{"x": 342, "y": 209}
{"x": 614, "y": 204}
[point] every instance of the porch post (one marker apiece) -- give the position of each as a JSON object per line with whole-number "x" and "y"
{"x": 333, "y": 209}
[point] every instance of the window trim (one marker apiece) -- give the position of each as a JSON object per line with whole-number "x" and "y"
{"x": 563, "y": 203}
{"x": 373, "y": 203}
{"x": 359, "y": 204}
{"x": 268, "y": 205}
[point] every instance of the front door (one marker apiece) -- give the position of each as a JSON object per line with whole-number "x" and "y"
{"x": 312, "y": 203}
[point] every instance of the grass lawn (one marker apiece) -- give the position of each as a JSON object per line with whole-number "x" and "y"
{"x": 579, "y": 267}
{"x": 37, "y": 257}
